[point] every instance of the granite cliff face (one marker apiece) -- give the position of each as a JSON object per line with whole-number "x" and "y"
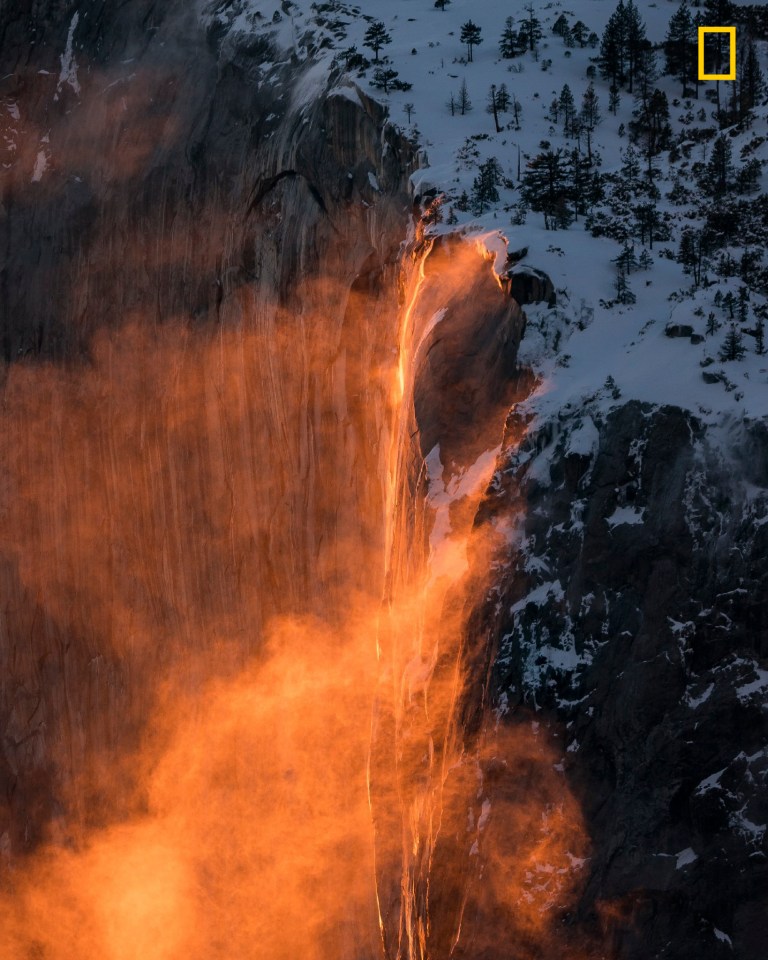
{"x": 210, "y": 276}
{"x": 637, "y": 627}
{"x": 189, "y": 250}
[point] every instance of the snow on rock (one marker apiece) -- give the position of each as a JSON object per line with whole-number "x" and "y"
{"x": 723, "y": 937}
{"x": 68, "y": 73}
{"x": 697, "y": 701}
{"x": 311, "y": 84}
{"x": 626, "y": 515}
{"x": 685, "y": 857}
{"x": 757, "y": 685}
{"x": 584, "y": 439}
{"x": 41, "y": 165}
{"x": 447, "y": 555}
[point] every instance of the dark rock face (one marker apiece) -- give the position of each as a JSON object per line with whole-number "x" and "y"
{"x": 637, "y": 622}
{"x": 195, "y": 242}
{"x": 526, "y": 284}
{"x": 466, "y": 366}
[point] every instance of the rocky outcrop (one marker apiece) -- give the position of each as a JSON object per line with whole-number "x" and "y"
{"x": 636, "y": 622}
{"x": 526, "y": 284}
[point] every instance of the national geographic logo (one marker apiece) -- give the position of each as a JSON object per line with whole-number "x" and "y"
{"x": 731, "y": 75}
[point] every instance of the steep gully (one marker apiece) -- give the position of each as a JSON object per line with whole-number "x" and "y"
{"x": 244, "y": 411}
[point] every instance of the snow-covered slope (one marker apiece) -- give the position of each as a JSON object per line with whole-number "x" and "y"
{"x": 588, "y": 337}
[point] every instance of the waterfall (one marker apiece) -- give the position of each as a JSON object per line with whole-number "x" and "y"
{"x": 422, "y": 749}
{"x": 244, "y": 642}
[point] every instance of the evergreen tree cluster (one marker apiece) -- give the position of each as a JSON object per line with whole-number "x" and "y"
{"x": 622, "y": 45}
{"x": 562, "y": 185}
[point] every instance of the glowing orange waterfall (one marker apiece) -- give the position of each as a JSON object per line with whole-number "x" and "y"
{"x": 255, "y": 530}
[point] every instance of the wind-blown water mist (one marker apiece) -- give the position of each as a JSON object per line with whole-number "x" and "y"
{"x": 246, "y": 697}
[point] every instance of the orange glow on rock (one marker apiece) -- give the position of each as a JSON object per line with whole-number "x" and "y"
{"x": 261, "y": 692}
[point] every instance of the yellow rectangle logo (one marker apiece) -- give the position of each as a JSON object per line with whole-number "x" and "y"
{"x": 731, "y": 75}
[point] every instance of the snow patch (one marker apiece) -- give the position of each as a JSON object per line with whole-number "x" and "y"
{"x": 584, "y": 440}
{"x": 311, "y": 84}
{"x": 41, "y": 165}
{"x": 746, "y": 691}
{"x": 685, "y": 857}
{"x": 68, "y": 63}
{"x": 447, "y": 556}
{"x": 723, "y": 937}
{"x": 626, "y": 516}
{"x": 695, "y": 702}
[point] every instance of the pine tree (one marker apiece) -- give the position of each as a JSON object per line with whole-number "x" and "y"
{"x": 623, "y": 293}
{"x": 463, "y": 103}
{"x": 646, "y": 73}
{"x": 760, "y": 333}
{"x": 718, "y": 175}
{"x": 384, "y": 78}
{"x": 509, "y": 45}
{"x": 694, "y": 244}
{"x": 748, "y": 178}
{"x": 583, "y": 190}
{"x": 580, "y": 33}
{"x": 630, "y": 169}
{"x": 354, "y": 60}
{"x": 646, "y": 260}
{"x": 502, "y": 98}
{"x": 442, "y": 4}
{"x": 729, "y": 302}
{"x": 752, "y": 84}
{"x": 626, "y": 260}
{"x": 471, "y": 36}
{"x": 733, "y": 345}
{"x": 376, "y": 37}
{"x": 613, "y": 47}
{"x": 545, "y": 188}
{"x": 531, "y": 28}
{"x": 651, "y": 126}
{"x": 636, "y": 39}
{"x": 646, "y": 217}
{"x": 408, "y": 110}
{"x": 717, "y": 13}
{"x": 590, "y": 115}
{"x": 712, "y": 325}
{"x": 614, "y": 98}
{"x": 493, "y": 106}
{"x": 433, "y": 214}
{"x": 680, "y": 46}
{"x": 485, "y": 186}
{"x": 560, "y": 25}
{"x": 567, "y": 109}
{"x": 743, "y": 304}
